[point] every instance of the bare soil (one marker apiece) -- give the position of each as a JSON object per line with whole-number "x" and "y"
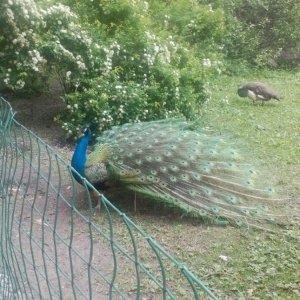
{"x": 37, "y": 114}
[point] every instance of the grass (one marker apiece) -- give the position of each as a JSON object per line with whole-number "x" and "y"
{"x": 252, "y": 264}
{"x": 269, "y": 135}
{"x": 261, "y": 266}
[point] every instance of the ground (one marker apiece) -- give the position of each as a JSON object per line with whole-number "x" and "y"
{"x": 37, "y": 114}
{"x": 235, "y": 264}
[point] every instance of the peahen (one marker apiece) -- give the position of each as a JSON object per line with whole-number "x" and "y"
{"x": 258, "y": 91}
{"x": 170, "y": 162}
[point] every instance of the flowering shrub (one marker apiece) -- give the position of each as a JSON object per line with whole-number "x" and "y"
{"x": 37, "y": 42}
{"x": 153, "y": 89}
{"x": 21, "y": 62}
{"x": 145, "y": 75}
{"x": 115, "y": 70}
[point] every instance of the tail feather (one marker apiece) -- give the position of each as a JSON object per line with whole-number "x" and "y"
{"x": 199, "y": 173}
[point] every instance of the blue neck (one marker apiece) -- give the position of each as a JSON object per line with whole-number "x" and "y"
{"x": 79, "y": 156}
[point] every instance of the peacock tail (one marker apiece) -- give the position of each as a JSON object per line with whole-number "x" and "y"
{"x": 192, "y": 170}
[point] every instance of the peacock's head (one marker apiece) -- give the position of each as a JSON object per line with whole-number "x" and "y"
{"x": 86, "y": 131}
{"x": 242, "y": 92}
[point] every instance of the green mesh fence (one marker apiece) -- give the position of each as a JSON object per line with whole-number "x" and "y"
{"x": 51, "y": 249}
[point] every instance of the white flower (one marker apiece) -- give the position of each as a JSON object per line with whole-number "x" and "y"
{"x": 206, "y": 62}
{"x": 172, "y": 44}
{"x": 156, "y": 48}
{"x": 10, "y": 14}
{"x": 223, "y": 257}
{"x": 81, "y": 65}
{"x": 225, "y": 100}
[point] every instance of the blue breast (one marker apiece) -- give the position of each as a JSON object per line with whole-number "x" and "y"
{"x": 79, "y": 156}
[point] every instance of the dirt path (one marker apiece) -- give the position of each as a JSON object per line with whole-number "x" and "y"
{"x": 37, "y": 115}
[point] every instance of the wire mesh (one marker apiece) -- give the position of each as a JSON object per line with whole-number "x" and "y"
{"x": 51, "y": 249}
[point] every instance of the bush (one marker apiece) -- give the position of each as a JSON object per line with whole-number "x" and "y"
{"x": 138, "y": 86}
{"x": 261, "y": 31}
{"x": 21, "y": 64}
{"x": 117, "y": 63}
{"x": 37, "y": 43}
{"x": 146, "y": 75}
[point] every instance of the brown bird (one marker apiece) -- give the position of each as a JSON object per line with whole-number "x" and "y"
{"x": 258, "y": 91}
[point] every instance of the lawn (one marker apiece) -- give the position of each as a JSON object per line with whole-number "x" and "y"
{"x": 262, "y": 266}
{"x": 250, "y": 264}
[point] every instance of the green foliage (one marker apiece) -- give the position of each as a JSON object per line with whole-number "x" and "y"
{"x": 261, "y": 32}
{"x": 151, "y": 88}
{"x": 39, "y": 42}
{"x": 20, "y": 62}
{"x": 196, "y": 23}
{"x": 147, "y": 73}
{"x": 162, "y": 68}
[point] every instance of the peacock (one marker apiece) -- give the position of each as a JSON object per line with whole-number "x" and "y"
{"x": 258, "y": 91}
{"x": 174, "y": 162}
